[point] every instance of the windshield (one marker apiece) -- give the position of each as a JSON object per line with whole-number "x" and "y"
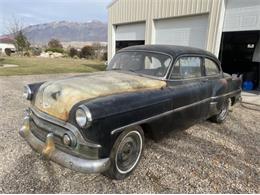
{"x": 148, "y": 63}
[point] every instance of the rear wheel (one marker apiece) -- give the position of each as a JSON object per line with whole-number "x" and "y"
{"x": 126, "y": 153}
{"x": 222, "y": 115}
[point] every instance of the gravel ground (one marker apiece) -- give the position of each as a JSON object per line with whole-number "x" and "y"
{"x": 206, "y": 158}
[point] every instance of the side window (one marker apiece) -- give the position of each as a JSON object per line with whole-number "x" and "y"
{"x": 187, "y": 67}
{"x": 211, "y": 67}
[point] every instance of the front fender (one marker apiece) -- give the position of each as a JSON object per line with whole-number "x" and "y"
{"x": 112, "y": 112}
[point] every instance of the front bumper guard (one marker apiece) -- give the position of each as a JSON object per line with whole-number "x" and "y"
{"x": 50, "y": 152}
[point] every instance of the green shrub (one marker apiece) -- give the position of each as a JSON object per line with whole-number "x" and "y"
{"x": 58, "y": 50}
{"x": 73, "y": 52}
{"x": 55, "y": 43}
{"x": 104, "y": 56}
{"x": 87, "y": 52}
{"x": 27, "y": 54}
{"x": 36, "y": 51}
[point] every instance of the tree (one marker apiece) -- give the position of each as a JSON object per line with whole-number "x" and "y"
{"x": 55, "y": 44}
{"x": 73, "y": 52}
{"x": 87, "y": 52}
{"x": 99, "y": 50}
{"x": 104, "y": 56}
{"x": 21, "y": 42}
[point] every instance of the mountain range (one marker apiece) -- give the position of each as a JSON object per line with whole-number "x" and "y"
{"x": 92, "y": 31}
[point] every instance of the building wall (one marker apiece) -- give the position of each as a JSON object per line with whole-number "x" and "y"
{"x": 130, "y": 11}
{"x": 3, "y": 46}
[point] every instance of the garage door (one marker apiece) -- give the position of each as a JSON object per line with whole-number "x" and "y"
{"x": 129, "y": 35}
{"x": 185, "y": 31}
{"x": 242, "y": 15}
{"x": 130, "y": 32}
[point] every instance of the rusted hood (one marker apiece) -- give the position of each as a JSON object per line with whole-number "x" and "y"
{"x": 56, "y": 98}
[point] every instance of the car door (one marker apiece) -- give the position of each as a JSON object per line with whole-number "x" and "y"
{"x": 190, "y": 91}
{"x": 212, "y": 72}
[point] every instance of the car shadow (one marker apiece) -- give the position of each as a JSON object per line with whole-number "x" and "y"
{"x": 209, "y": 154}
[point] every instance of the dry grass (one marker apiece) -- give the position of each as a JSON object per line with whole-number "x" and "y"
{"x": 36, "y": 65}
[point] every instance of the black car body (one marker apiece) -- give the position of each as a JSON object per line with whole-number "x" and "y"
{"x": 154, "y": 88}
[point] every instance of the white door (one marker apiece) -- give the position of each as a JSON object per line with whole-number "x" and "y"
{"x": 242, "y": 15}
{"x": 186, "y": 31}
{"x": 130, "y": 32}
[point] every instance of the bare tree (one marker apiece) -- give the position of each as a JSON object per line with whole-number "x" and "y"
{"x": 15, "y": 29}
{"x": 14, "y": 26}
{"x": 99, "y": 50}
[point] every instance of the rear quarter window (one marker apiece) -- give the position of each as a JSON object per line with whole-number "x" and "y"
{"x": 211, "y": 68}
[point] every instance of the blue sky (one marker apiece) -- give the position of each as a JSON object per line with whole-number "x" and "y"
{"x": 30, "y": 12}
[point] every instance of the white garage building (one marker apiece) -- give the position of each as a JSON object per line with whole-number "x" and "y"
{"x": 228, "y": 28}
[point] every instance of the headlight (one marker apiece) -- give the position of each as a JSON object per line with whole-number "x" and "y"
{"x": 27, "y": 92}
{"x": 83, "y": 117}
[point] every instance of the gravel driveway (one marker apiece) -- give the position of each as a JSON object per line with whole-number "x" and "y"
{"x": 206, "y": 158}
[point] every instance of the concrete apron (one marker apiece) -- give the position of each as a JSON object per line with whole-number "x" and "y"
{"x": 251, "y": 97}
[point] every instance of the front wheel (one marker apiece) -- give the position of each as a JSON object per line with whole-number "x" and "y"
{"x": 222, "y": 115}
{"x": 126, "y": 153}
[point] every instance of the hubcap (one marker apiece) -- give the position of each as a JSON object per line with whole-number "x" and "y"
{"x": 129, "y": 152}
{"x": 224, "y": 111}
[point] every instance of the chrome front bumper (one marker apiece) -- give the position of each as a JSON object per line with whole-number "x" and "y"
{"x": 49, "y": 151}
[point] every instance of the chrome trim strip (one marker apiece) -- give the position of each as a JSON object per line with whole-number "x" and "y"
{"x": 228, "y": 94}
{"x": 68, "y": 126}
{"x": 159, "y": 116}
{"x": 172, "y": 111}
{"x": 195, "y": 78}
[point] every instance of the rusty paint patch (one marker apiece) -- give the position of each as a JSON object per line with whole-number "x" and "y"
{"x": 58, "y": 97}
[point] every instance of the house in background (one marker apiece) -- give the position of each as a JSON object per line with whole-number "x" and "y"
{"x": 228, "y": 28}
{"x": 6, "y": 43}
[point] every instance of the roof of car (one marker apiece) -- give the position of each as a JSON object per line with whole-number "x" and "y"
{"x": 172, "y": 50}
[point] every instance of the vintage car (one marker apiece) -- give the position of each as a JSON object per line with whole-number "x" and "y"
{"x": 95, "y": 123}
